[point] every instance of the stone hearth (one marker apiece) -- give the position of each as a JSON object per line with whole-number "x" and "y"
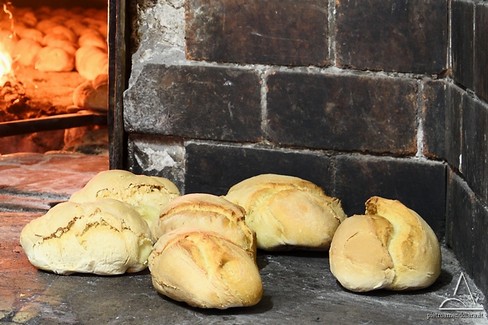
{"x": 298, "y": 288}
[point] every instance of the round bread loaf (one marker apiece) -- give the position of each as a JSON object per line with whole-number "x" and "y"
{"x": 92, "y": 38}
{"x": 92, "y": 93}
{"x": 91, "y": 61}
{"x": 45, "y": 25}
{"x": 30, "y": 33}
{"x": 147, "y": 194}
{"x": 206, "y": 212}
{"x": 60, "y": 32}
{"x": 25, "y": 52}
{"x": 26, "y": 17}
{"x": 286, "y": 211}
{"x": 54, "y": 59}
{"x": 106, "y": 237}
{"x": 63, "y": 44}
{"x": 391, "y": 247}
{"x": 204, "y": 270}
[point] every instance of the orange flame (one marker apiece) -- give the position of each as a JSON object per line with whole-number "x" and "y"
{"x": 5, "y": 58}
{"x": 5, "y": 64}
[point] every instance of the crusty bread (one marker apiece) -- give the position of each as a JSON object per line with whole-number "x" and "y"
{"x": 91, "y": 61}
{"x": 391, "y": 247}
{"x": 54, "y": 59}
{"x": 147, "y": 194}
{"x": 286, "y": 211}
{"x": 91, "y": 37}
{"x": 30, "y": 33}
{"x": 204, "y": 270}
{"x": 25, "y": 17}
{"x": 106, "y": 237}
{"x": 63, "y": 44}
{"x": 92, "y": 93}
{"x": 358, "y": 255}
{"x": 45, "y": 25}
{"x": 60, "y": 32}
{"x": 69, "y": 39}
{"x": 25, "y": 52}
{"x": 207, "y": 212}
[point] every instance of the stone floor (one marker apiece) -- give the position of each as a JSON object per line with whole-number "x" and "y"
{"x": 299, "y": 288}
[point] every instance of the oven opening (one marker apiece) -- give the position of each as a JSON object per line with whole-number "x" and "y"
{"x": 53, "y": 76}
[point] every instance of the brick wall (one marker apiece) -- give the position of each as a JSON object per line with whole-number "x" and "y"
{"x": 466, "y": 123}
{"x": 361, "y": 97}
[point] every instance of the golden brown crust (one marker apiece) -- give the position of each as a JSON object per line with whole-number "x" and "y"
{"x": 287, "y": 211}
{"x": 105, "y": 237}
{"x": 358, "y": 255}
{"x": 415, "y": 249}
{"x": 207, "y": 212}
{"x": 388, "y": 232}
{"x": 149, "y": 195}
{"x": 92, "y": 94}
{"x": 204, "y": 270}
{"x": 51, "y": 58}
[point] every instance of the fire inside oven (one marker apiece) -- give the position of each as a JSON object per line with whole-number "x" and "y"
{"x": 53, "y": 66}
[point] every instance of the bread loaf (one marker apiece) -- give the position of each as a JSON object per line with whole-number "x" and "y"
{"x": 92, "y": 93}
{"x": 30, "y": 33}
{"x": 45, "y": 25}
{"x": 91, "y": 61}
{"x": 391, "y": 247}
{"x": 25, "y": 17}
{"x": 204, "y": 270}
{"x": 147, "y": 194}
{"x": 60, "y": 32}
{"x": 106, "y": 237}
{"x": 92, "y": 38}
{"x": 206, "y": 212}
{"x": 25, "y": 52}
{"x": 63, "y": 44}
{"x": 286, "y": 211}
{"x": 54, "y": 59}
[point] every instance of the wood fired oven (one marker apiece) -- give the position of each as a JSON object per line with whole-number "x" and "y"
{"x": 54, "y": 68}
{"x": 363, "y": 98}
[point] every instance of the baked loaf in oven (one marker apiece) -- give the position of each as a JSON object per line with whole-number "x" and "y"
{"x": 106, "y": 237}
{"x": 92, "y": 37}
{"x": 92, "y": 93}
{"x": 206, "y": 212}
{"x": 25, "y": 51}
{"x": 29, "y": 33}
{"x": 51, "y": 58}
{"x": 205, "y": 270}
{"x": 147, "y": 194}
{"x": 287, "y": 212}
{"x": 390, "y": 247}
{"x": 91, "y": 61}
{"x": 60, "y": 32}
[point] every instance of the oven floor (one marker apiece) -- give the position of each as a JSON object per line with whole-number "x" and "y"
{"x": 298, "y": 288}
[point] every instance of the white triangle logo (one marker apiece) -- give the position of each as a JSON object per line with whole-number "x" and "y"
{"x": 464, "y": 302}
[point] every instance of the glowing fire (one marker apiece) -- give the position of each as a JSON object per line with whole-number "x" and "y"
{"x": 5, "y": 65}
{"x": 5, "y": 58}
